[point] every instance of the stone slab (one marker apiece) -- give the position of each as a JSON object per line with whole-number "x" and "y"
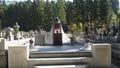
{"x": 39, "y": 39}
{"x": 17, "y": 57}
{"x": 54, "y": 61}
{"x": 102, "y": 55}
{"x": 63, "y": 66}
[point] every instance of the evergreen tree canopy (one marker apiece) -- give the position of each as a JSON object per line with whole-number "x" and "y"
{"x": 39, "y": 14}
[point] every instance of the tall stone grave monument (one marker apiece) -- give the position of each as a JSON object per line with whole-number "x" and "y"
{"x": 16, "y": 32}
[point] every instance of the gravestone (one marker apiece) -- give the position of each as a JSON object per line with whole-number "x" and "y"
{"x": 31, "y": 33}
{"x": 9, "y": 36}
{"x": 40, "y": 39}
{"x": 56, "y": 36}
{"x": 22, "y": 34}
{"x": 17, "y": 34}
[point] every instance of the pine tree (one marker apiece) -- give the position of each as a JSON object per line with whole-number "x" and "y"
{"x": 38, "y": 14}
{"x": 106, "y": 10}
{"x": 69, "y": 9}
{"x": 79, "y": 12}
{"x": 49, "y": 14}
{"x": 60, "y": 12}
{"x": 96, "y": 10}
{"x": 115, "y": 6}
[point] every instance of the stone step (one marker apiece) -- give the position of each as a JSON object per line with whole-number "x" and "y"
{"x": 59, "y": 54}
{"x": 65, "y": 60}
{"x": 62, "y": 66}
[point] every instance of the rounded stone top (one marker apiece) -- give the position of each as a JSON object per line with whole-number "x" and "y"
{"x": 9, "y": 29}
{"x": 56, "y": 20}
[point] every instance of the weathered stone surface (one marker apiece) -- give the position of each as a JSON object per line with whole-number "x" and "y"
{"x": 40, "y": 39}
{"x": 17, "y": 57}
{"x": 102, "y": 55}
{"x": 3, "y": 60}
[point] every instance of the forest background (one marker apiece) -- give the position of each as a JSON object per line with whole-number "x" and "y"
{"x": 39, "y": 14}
